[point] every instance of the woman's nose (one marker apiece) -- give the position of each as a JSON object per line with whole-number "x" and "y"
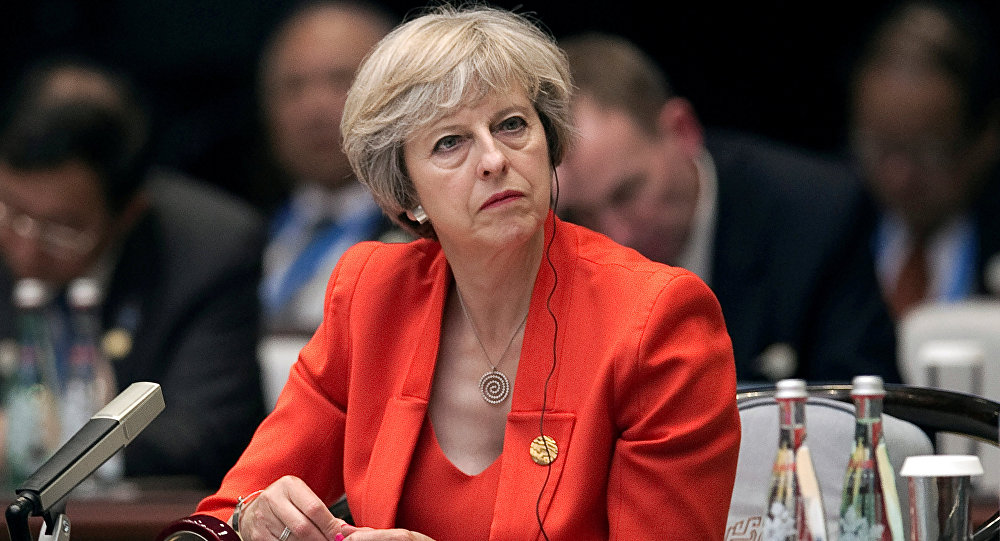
{"x": 492, "y": 161}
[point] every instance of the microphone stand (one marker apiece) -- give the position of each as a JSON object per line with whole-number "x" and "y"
{"x": 17, "y": 518}
{"x": 56, "y": 525}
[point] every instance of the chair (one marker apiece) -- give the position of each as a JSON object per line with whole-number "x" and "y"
{"x": 277, "y": 352}
{"x": 956, "y": 346}
{"x": 913, "y": 417}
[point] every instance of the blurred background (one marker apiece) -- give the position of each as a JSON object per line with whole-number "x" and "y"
{"x": 772, "y": 67}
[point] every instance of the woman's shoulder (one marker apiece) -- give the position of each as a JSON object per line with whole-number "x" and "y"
{"x": 388, "y": 251}
{"x": 607, "y": 257}
{"x": 370, "y": 260}
{"x": 601, "y": 266}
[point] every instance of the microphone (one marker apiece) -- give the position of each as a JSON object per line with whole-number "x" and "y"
{"x": 110, "y": 429}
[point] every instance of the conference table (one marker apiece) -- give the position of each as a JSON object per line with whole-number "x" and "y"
{"x": 135, "y": 510}
{"x": 139, "y": 510}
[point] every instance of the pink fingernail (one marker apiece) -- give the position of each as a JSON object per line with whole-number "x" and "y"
{"x": 338, "y": 537}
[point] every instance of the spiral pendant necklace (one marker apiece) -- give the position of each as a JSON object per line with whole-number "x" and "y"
{"x": 493, "y": 385}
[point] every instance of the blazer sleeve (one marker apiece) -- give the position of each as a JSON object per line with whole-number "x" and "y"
{"x": 304, "y": 434}
{"x": 674, "y": 463}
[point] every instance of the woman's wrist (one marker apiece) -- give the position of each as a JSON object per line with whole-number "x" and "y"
{"x": 241, "y": 503}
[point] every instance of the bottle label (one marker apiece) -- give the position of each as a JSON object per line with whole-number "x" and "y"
{"x": 854, "y": 527}
{"x": 779, "y": 524}
{"x": 890, "y": 497}
{"x": 784, "y": 517}
{"x": 812, "y": 498}
{"x": 860, "y": 463}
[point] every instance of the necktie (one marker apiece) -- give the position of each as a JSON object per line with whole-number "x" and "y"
{"x": 911, "y": 286}
{"x": 60, "y": 320}
{"x": 321, "y": 236}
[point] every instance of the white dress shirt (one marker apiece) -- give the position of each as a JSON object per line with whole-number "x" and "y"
{"x": 696, "y": 255}
{"x": 951, "y": 257}
{"x": 306, "y": 242}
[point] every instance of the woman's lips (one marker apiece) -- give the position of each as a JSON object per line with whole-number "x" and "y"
{"x": 500, "y": 198}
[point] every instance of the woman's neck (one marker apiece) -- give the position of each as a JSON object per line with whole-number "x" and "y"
{"x": 497, "y": 287}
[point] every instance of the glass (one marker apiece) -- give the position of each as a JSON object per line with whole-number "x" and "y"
{"x": 56, "y": 239}
{"x": 939, "y": 495}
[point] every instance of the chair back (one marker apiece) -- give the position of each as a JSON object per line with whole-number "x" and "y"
{"x": 956, "y": 346}
{"x": 277, "y": 353}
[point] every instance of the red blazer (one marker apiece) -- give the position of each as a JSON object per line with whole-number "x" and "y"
{"x": 641, "y": 402}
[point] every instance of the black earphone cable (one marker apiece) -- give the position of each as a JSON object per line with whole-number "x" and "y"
{"x": 545, "y": 387}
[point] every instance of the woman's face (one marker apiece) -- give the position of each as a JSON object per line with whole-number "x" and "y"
{"x": 482, "y": 173}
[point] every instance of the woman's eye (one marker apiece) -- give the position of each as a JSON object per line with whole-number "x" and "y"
{"x": 513, "y": 123}
{"x": 446, "y": 143}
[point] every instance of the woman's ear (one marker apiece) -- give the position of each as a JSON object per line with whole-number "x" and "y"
{"x": 678, "y": 121}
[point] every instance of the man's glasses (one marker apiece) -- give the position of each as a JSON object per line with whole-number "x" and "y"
{"x": 56, "y": 239}
{"x": 933, "y": 156}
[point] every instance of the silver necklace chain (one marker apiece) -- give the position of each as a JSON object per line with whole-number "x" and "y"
{"x": 494, "y": 385}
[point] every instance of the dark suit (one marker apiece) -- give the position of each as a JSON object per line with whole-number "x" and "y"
{"x": 184, "y": 288}
{"x": 791, "y": 266}
{"x": 987, "y": 221}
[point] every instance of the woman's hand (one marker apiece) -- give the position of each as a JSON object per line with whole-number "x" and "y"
{"x": 290, "y": 503}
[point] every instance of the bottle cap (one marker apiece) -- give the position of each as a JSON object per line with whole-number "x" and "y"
{"x": 867, "y": 386}
{"x": 790, "y": 388}
{"x": 941, "y": 466}
{"x": 29, "y": 293}
{"x": 83, "y": 293}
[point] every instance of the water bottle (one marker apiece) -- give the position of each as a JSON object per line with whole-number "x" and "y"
{"x": 869, "y": 504}
{"x": 30, "y": 402}
{"x": 90, "y": 381}
{"x": 794, "y": 505}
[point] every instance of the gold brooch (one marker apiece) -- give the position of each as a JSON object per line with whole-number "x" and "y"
{"x": 544, "y": 450}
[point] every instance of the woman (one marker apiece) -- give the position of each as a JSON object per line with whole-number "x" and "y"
{"x": 440, "y": 363}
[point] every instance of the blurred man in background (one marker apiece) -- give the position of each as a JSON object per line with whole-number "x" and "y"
{"x": 178, "y": 263}
{"x": 305, "y": 72}
{"x": 925, "y": 135}
{"x": 776, "y": 233}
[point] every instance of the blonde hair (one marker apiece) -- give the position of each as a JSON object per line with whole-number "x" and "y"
{"x": 433, "y": 65}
